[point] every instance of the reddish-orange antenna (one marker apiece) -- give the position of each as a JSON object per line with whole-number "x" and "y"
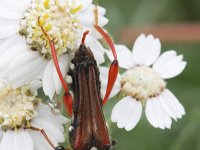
{"x": 113, "y": 71}
{"x": 108, "y": 40}
{"x": 54, "y": 56}
{"x": 84, "y": 37}
{"x": 67, "y": 96}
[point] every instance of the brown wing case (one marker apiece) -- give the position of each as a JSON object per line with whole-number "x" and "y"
{"x": 88, "y": 127}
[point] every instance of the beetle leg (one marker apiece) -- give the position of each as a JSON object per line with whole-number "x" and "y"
{"x": 113, "y": 70}
{"x": 46, "y": 137}
{"x": 67, "y": 98}
{"x": 43, "y": 133}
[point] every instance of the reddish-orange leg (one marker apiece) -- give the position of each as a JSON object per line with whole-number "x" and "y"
{"x": 43, "y": 133}
{"x": 113, "y": 71}
{"x": 45, "y": 136}
{"x": 67, "y": 98}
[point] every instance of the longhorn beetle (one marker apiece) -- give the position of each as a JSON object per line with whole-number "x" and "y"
{"x": 88, "y": 128}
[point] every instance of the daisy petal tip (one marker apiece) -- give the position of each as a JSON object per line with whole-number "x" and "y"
{"x": 184, "y": 64}
{"x": 128, "y": 129}
{"x": 113, "y": 118}
{"x": 169, "y": 64}
{"x": 181, "y": 57}
{"x": 120, "y": 125}
{"x": 158, "y": 43}
{"x": 142, "y": 35}
{"x": 150, "y": 37}
{"x": 131, "y": 125}
{"x": 63, "y": 119}
{"x": 163, "y": 128}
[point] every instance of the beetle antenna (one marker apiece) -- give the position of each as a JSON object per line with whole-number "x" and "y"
{"x": 67, "y": 97}
{"x": 96, "y": 14}
{"x": 113, "y": 71}
{"x": 84, "y": 37}
{"x": 54, "y": 56}
{"x": 108, "y": 40}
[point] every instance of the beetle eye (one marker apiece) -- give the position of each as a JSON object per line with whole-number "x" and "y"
{"x": 59, "y": 148}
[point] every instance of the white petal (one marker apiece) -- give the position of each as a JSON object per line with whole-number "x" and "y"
{"x": 27, "y": 2}
{"x": 104, "y": 80}
{"x": 23, "y": 58}
{"x": 151, "y": 114}
{"x": 164, "y": 57}
{"x": 171, "y": 104}
{"x": 101, "y": 11}
{"x": 169, "y": 65}
{"x": 7, "y": 141}
{"x": 89, "y": 20}
{"x": 8, "y": 14}
{"x": 96, "y": 48}
{"x": 136, "y": 116}
{"x": 40, "y": 142}
{"x": 23, "y": 74}
{"x": 27, "y": 72}
{"x": 85, "y": 3}
{"x": 124, "y": 56}
{"x": 48, "y": 80}
{"x": 156, "y": 115}
{"x": 10, "y": 55}
{"x": 99, "y": 57}
{"x": 1, "y": 133}
{"x": 38, "y": 123}
{"x": 168, "y": 106}
{"x": 35, "y": 85}
{"x": 51, "y": 130}
{"x": 166, "y": 118}
{"x": 127, "y": 112}
{"x": 92, "y": 32}
{"x": 8, "y": 31}
{"x": 44, "y": 112}
{"x": 64, "y": 66}
{"x": 9, "y": 23}
{"x": 14, "y": 5}
{"x": 11, "y": 42}
{"x": 146, "y": 50}
{"x": 63, "y": 120}
{"x": 22, "y": 140}
{"x": 94, "y": 44}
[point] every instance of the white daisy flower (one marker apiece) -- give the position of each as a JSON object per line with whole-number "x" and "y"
{"x": 20, "y": 110}
{"x": 25, "y": 51}
{"x": 144, "y": 84}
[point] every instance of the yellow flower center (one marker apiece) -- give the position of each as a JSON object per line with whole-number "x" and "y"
{"x": 59, "y": 21}
{"x": 142, "y": 83}
{"x": 17, "y": 107}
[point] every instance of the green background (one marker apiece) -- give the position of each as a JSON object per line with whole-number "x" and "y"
{"x": 185, "y": 133}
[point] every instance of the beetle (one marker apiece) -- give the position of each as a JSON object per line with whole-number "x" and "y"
{"x": 88, "y": 128}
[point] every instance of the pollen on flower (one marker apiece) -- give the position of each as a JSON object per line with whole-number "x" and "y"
{"x": 58, "y": 19}
{"x": 17, "y": 107}
{"x": 142, "y": 83}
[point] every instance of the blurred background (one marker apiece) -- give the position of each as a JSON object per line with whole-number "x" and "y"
{"x": 176, "y": 23}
